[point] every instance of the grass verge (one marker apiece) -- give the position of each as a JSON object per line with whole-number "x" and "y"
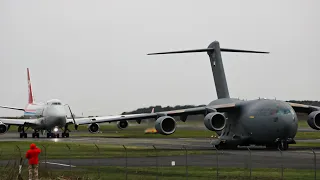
{"x": 164, "y": 173}
{"x": 59, "y": 150}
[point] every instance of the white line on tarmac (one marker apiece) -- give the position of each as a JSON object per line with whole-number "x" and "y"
{"x": 67, "y": 165}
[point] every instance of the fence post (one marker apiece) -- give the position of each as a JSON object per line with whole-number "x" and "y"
{"x": 19, "y": 150}
{"x": 125, "y": 149}
{"x": 315, "y": 163}
{"x": 186, "y": 161}
{"x": 250, "y": 162}
{"x": 98, "y": 160}
{"x": 45, "y": 156}
{"x": 156, "y": 161}
{"x": 69, "y": 156}
{"x": 217, "y": 155}
{"x": 281, "y": 163}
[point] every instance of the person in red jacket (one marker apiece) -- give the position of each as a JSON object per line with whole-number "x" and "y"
{"x": 32, "y": 155}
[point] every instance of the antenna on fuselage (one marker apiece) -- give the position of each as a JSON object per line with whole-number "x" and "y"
{"x": 214, "y": 52}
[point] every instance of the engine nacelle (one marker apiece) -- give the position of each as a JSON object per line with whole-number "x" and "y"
{"x": 93, "y": 128}
{"x": 122, "y": 124}
{"x": 215, "y": 121}
{"x": 3, "y": 128}
{"x": 314, "y": 120}
{"x": 165, "y": 125}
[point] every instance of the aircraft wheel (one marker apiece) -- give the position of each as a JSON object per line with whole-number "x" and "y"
{"x": 283, "y": 145}
{"x": 222, "y": 146}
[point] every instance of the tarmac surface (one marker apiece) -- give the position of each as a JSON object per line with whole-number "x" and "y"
{"x": 295, "y": 157}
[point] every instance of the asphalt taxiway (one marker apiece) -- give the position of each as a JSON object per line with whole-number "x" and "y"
{"x": 160, "y": 142}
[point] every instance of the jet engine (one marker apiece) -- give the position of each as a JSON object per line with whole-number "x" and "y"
{"x": 215, "y": 121}
{"x": 3, "y": 128}
{"x": 93, "y": 128}
{"x": 165, "y": 125}
{"x": 122, "y": 124}
{"x": 314, "y": 120}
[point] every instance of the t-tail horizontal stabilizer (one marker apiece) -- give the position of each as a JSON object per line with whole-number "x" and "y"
{"x": 208, "y": 50}
{"x": 214, "y": 52}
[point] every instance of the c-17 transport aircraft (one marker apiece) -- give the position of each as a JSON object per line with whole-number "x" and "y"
{"x": 50, "y": 117}
{"x": 266, "y": 122}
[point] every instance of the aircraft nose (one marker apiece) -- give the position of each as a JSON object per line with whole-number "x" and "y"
{"x": 287, "y": 126}
{"x": 57, "y": 111}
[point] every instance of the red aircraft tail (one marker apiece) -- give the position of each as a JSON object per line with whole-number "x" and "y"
{"x": 30, "y": 101}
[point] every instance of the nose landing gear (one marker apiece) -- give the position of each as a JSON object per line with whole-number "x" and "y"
{"x": 52, "y": 135}
{"x": 56, "y": 134}
{"x": 282, "y": 144}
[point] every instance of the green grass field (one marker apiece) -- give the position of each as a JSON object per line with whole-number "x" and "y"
{"x": 163, "y": 173}
{"x": 59, "y": 150}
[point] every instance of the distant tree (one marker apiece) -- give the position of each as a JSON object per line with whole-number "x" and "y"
{"x": 159, "y": 108}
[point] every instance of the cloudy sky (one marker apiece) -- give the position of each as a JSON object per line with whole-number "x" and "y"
{"x": 92, "y": 54}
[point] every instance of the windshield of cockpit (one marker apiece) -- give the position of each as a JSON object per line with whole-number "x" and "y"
{"x": 271, "y": 111}
{"x": 55, "y": 103}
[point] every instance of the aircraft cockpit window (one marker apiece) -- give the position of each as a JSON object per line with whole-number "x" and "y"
{"x": 56, "y": 103}
{"x": 283, "y": 111}
{"x": 271, "y": 111}
{"x": 265, "y": 112}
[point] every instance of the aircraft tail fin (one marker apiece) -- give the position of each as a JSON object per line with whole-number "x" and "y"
{"x": 30, "y": 95}
{"x": 214, "y": 52}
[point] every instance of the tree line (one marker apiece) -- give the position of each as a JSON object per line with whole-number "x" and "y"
{"x": 159, "y": 108}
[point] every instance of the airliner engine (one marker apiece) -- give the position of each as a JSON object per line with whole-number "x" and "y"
{"x": 93, "y": 128}
{"x": 122, "y": 124}
{"x": 165, "y": 125}
{"x": 215, "y": 121}
{"x": 3, "y": 128}
{"x": 314, "y": 120}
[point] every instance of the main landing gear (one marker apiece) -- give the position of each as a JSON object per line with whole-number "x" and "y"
{"x": 50, "y": 134}
{"x": 23, "y": 134}
{"x": 35, "y": 134}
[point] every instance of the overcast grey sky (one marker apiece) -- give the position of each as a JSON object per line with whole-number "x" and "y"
{"x": 92, "y": 54}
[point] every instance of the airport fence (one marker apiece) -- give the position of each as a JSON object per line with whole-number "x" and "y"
{"x": 153, "y": 162}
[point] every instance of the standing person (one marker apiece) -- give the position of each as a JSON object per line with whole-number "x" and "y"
{"x": 32, "y": 155}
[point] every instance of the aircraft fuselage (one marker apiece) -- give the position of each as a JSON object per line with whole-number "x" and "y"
{"x": 259, "y": 122}
{"x": 51, "y": 114}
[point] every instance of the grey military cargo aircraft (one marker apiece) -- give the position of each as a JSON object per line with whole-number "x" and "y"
{"x": 266, "y": 122}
